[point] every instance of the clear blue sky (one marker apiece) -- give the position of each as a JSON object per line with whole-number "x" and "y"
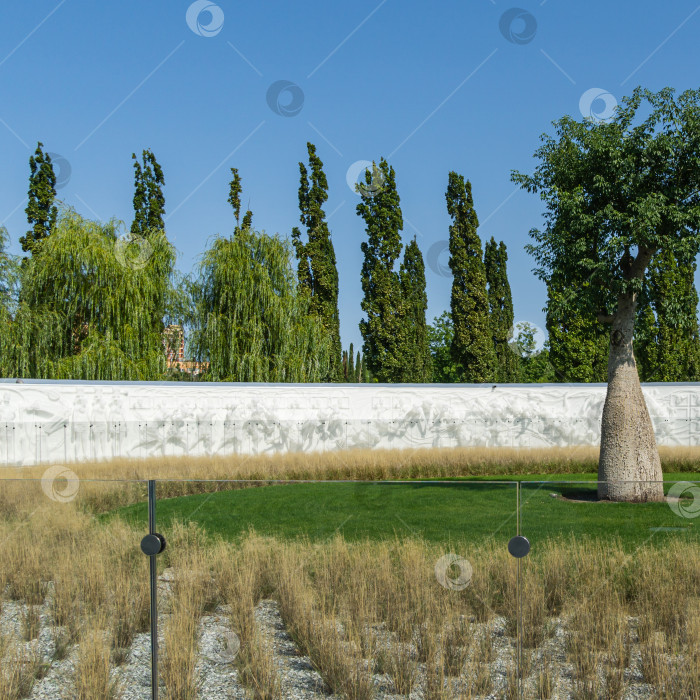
{"x": 433, "y": 87}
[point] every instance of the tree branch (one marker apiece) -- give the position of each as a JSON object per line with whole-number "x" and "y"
{"x": 605, "y": 318}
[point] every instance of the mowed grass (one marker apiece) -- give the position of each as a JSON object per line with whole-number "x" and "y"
{"x": 472, "y": 511}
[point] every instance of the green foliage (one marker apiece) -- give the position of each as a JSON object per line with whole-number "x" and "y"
{"x": 472, "y": 343}
{"x": 41, "y": 210}
{"x": 667, "y": 346}
{"x": 234, "y": 195}
{"x": 440, "y": 334}
{"x": 249, "y": 320}
{"x": 578, "y": 343}
{"x": 9, "y": 277}
{"x": 384, "y": 329}
{"x": 500, "y": 311}
{"x": 84, "y": 313}
{"x": 616, "y": 194}
{"x": 317, "y": 272}
{"x": 534, "y": 365}
{"x": 149, "y": 202}
{"x": 417, "y": 360}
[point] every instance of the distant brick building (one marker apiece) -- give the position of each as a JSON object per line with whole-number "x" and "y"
{"x": 174, "y": 341}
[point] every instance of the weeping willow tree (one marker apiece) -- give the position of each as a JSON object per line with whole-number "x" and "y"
{"x": 87, "y": 303}
{"x": 250, "y": 322}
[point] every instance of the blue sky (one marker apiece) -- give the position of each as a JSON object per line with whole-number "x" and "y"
{"x": 466, "y": 86}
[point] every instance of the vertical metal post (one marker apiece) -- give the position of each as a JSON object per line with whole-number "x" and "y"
{"x": 151, "y": 545}
{"x": 154, "y": 590}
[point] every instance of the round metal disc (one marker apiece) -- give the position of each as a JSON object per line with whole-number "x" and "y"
{"x": 151, "y": 545}
{"x": 519, "y": 546}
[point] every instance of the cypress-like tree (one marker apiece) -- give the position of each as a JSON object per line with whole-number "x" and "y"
{"x": 383, "y": 331}
{"x": 668, "y": 343}
{"x": 317, "y": 272}
{"x": 417, "y": 360}
{"x": 351, "y": 365}
{"x": 149, "y": 201}
{"x": 500, "y": 311}
{"x": 472, "y": 344}
{"x": 234, "y": 195}
{"x": 41, "y": 209}
{"x": 250, "y": 320}
{"x": 358, "y": 368}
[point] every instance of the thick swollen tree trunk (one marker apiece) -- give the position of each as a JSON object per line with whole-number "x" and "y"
{"x": 629, "y": 468}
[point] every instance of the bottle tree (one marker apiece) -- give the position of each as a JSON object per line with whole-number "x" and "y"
{"x": 417, "y": 360}
{"x": 617, "y": 194}
{"x": 500, "y": 311}
{"x": 384, "y": 328}
{"x": 472, "y": 343}
{"x": 41, "y": 210}
{"x": 316, "y": 265}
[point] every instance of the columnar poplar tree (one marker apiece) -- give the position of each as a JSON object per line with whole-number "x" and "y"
{"x": 384, "y": 329}
{"x": 578, "y": 343}
{"x": 500, "y": 310}
{"x": 41, "y": 210}
{"x": 234, "y": 199}
{"x": 250, "y": 321}
{"x": 317, "y": 271}
{"x": 472, "y": 343}
{"x": 618, "y": 194}
{"x": 668, "y": 346}
{"x": 417, "y": 360}
{"x": 149, "y": 202}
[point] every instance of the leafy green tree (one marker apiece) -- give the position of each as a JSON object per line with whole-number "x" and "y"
{"x": 533, "y": 365}
{"x": 317, "y": 271}
{"x": 351, "y": 365}
{"x": 250, "y": 321}
{"x": 9, "y": 278}
{"x": 234, "y": 199}
{"x": 358, "y": 368}
{"x": 667, "y": 342}
{"x": 617, "y": 194}
{"x": 578, "y": 342}
{"x": 472, "y": 343}
{"x": 84, "y": 312}
{"x": 384, "y": 329}
{"x": 440, "y": 335}
{"x": 500, "y": 310}
{"x": 41, "y": 210}
{"x": 417, "y": 360}
{"x": 149, "y": 201}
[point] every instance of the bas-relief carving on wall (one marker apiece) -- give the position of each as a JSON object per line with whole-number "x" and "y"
{"x": 55, "y": 422}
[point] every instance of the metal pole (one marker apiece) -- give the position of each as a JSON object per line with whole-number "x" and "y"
{"x": 154, "y": 590}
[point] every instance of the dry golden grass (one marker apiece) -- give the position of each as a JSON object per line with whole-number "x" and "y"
{"x": 352, "y": 607}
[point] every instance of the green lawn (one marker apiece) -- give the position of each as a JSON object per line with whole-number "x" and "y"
{"x": 473, "y": 510}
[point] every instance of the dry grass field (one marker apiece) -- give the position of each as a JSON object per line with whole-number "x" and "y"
{"x": 375, "y": 619}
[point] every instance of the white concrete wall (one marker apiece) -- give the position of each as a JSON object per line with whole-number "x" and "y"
{"x": 61, "y": 422}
